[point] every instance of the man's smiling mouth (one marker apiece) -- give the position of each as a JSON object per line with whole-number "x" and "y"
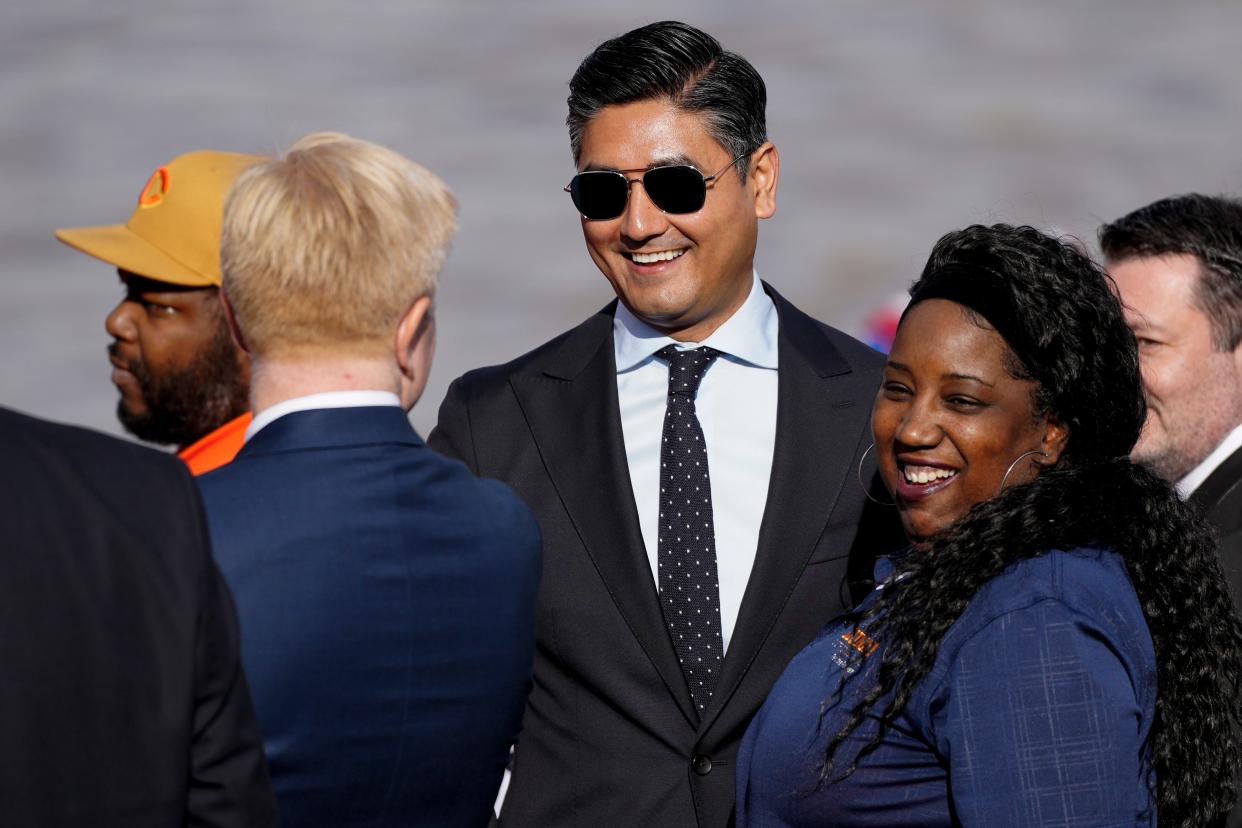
{"x": 652, "y": 258}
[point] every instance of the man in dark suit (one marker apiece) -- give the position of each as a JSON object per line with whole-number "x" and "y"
{"x": 122, "y": 700}
{"x": 691, "y": 452}
{"x": 386, "y": 594}
{"x": 1177, "y": 264}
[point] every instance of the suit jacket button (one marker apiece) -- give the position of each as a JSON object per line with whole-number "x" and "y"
{"x": 702, "y": 764}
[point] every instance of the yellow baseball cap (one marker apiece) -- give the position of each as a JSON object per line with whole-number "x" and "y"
{"x": 174, "y": 234}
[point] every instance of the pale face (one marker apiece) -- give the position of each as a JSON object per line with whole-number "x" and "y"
{"x": 711, "y": 272}
{"x": 950, "y": 421}
{"x": 1194, "y": 392}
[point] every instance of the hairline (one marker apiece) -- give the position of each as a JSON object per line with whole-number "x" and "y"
{"x": 678, "y": 103}
{"x": 1199, "y": 298}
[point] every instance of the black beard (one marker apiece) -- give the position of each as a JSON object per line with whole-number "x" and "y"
{"x": 185, "y": 406}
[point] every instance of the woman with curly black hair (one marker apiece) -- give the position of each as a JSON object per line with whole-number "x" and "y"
{"x": 1057, "y": 646}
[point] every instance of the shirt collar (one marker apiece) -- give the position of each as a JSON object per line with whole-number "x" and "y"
{"x": 1232, "y": 442}
{"x": 217, "y": 448}
{"x": 326, "y": 399}
{"x": 749, "y": 335}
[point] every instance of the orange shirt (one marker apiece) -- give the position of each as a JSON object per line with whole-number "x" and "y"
{"x": 217, "y": 448}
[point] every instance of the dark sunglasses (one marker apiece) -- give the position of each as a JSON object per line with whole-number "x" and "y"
{"x": 677, "y": 188}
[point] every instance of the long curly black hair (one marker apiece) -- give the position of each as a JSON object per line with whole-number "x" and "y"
{"x": 1065, "y": 329}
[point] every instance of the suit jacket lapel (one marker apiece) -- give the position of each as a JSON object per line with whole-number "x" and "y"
{"x": 809, "y": 466}
{"x": 570, "y": 404}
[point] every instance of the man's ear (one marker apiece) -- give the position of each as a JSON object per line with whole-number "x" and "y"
{"x": 415, "y": 346}
{"x": 239, "y": 339}
{"x": 765, "y": 174}
{"x": 1056, "y": 435}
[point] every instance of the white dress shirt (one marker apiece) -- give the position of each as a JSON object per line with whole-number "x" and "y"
{"x": 1232, "y": 442}
{"x": 736, "y": 406}
{"x": 326, "y": 399}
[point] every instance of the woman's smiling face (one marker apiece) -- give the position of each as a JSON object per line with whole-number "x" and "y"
{"x": 949, "y": 419}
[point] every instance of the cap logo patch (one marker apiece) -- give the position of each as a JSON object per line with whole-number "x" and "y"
{"x": 156, "y": 188}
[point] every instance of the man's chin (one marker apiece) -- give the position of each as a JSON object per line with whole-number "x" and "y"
{"x": 1168, "y": 465}
{"x": 144, "y": 426}
{"x": 670, "y": 322}
{"x": 1151, "y": 450}
{"x": 663, "y": 311}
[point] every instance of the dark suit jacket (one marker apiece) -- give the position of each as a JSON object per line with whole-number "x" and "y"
{"x": 1219, "y": 499}
{"x": 387, "y": 605}
{"x": 122, "y": 701}
{"x": 610, "y": 735}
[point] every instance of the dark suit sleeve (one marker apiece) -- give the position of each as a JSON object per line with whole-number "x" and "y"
{"x": 452, "y": 436}
{"x": 229, "y": 783}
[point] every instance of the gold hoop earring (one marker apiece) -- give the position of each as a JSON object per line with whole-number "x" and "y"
{"x": 1016, "y": 462}
{"x": 866, "y": 491}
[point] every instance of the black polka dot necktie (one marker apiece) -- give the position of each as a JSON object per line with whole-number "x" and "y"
{"x": 689, "y": 585}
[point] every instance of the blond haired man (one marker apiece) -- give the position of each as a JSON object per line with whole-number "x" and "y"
{"x": 386, "y": 595}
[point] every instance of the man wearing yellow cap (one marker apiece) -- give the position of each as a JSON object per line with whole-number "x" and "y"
{"x": 182, "y": 380}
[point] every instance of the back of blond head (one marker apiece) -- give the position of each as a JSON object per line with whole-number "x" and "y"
{"x": 326, "y": 248}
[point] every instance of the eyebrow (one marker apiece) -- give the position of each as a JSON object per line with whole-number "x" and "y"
{"x": 1138, "y": 322}
{"x": 663, "y": 161}
{"x": 969, "y": 378}
{"x": 952, "y": 375}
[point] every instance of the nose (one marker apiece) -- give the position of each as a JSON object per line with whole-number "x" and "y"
{"x": 919, "y": 427}
{"x": 642, "y": 219}
{"x": 120, "y": 322}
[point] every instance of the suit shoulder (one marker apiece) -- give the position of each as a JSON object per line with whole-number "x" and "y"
{"x": 494, "y": 504}
{"x": 828, "y": 348}
{"x": 66, "y": 473}
{"x": 88, "y": 453}
{"x": 480, "y": 380}
{"x": 859, "y": 354}
{"x": 1089, "y": 580}
{"x": 485, "y": 509}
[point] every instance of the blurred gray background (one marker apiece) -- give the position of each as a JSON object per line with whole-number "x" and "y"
{"x": 896, "y": 121}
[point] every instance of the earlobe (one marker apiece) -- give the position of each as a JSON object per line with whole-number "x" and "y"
{"x": 765, "y": 173}
{"x": 415, "y": 344}
{"x": 410, "y": 330}
{"x": 1056, "y": 435}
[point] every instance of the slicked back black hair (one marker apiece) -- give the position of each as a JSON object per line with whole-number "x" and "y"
{"x": 680, "y": 63}
{"x": 1206, "y": 227}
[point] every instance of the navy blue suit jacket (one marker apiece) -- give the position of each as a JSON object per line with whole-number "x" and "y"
{"x": 387, "y": 604}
